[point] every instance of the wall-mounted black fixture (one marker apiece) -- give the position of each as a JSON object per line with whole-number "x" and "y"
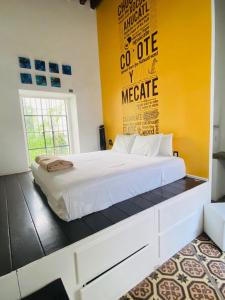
{"x": 102, "y": 137}
{"x": 110, "y": 142}
{"x": 93, "y": 3}
{"x": 176, "y": 153}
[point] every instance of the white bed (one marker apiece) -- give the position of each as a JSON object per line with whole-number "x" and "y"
{"x": 101, "y": 179}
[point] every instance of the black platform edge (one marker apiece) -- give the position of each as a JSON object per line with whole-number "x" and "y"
{"x": 30, "y": 230}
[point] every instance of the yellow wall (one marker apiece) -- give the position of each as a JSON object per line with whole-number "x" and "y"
{"x": 183, "y": 71}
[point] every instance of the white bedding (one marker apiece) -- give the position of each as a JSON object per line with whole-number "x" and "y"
{"x": 101, "y": 179}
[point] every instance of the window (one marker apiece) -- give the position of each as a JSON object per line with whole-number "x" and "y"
{"x": 46, "y": 126}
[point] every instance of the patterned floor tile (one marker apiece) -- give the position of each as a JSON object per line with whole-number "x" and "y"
{"x": 187, "y": 275}
{"x": 213, "y": 259}
{"x": 222, "y": 290}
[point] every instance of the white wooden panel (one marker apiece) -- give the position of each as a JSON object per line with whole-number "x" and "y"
{"x": 174, "y": 239}
{"x": 41, "y": 272}
{"x": 181, "y": 206}
{"x": 218, "y": 175}
{"x": 113, "y": 284}
{"x": 9, "y": 289}
{"x": 107, "y": 250}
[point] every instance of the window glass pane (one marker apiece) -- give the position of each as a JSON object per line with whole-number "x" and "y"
{"x": 33, "y": 124}
{"x": 37, "y": 104}
{"x": 29, "y": 124}
{"x": 34, "y": 153}
{"x": 58, "y": 123}
{"x": 62, "y": 150}
{"x": 26, "y": 106}
{"x": 33, "y": 106}
{"x": 55, "y": 123}
{"x": 64, "y": 124}
{"x": 46, "y": 106}
{"x": 54, "y": 110}
{"x": 57, "y": 107}
{"x": 47, "y": 123}
{"x": 50, "y": 151}
{"x": 62, "y": 107}
{"x": 49, "y": 139}
{"x": 61, "y": 138}
{"x": 35, "y": 140}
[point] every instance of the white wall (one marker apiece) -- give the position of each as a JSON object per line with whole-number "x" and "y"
{"x": 219, "y": 105}
{"x": 58, "y": 30}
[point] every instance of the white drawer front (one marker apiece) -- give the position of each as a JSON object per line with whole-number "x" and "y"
{"x": 116, "y": 282}
{"x": 180, "y": 235}
{"x": 181, "y": 206}
{"x": 106, "y": 250}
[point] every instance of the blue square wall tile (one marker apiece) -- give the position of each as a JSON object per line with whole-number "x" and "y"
{"x": 26, "y": 78}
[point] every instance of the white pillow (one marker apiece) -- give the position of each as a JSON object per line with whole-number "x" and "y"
{"x": 123, "y": 143}
{"x": 166, "y": 146}
{"x": 147, "y": 145}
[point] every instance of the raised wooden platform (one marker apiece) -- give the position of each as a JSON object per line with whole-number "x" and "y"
{"x": 29, "y": 229}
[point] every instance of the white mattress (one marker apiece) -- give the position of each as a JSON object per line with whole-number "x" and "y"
{"x": 101, "y": 179}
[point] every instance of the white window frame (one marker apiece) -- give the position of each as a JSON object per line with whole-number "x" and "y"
{"x": 71, "y": 110}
